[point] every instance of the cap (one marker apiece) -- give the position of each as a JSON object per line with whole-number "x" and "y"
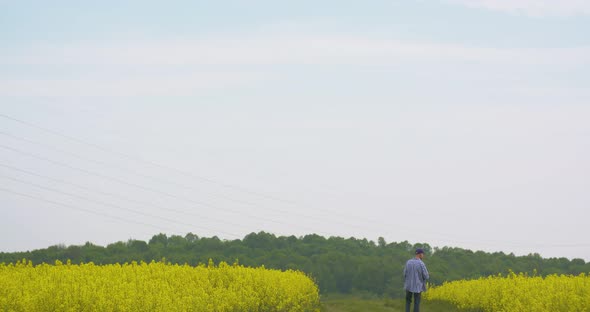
{"x": 419, "y": 251}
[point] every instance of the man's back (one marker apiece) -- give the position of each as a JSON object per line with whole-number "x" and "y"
{"x": 415, "y": 276}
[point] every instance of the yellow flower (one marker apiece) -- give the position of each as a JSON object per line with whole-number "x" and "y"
{"x": 157, "y": 286}
{"x": 517, "y": 292}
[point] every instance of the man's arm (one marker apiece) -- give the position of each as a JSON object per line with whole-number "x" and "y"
{"x": 425, "y": 272}
{"x": 405, "y": 272}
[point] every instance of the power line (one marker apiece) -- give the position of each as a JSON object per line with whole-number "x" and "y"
{"x": 88, "y": 172}
{"x": 106, "y": 150}
{"x": 111, "y": 205}
{"x": 80, "y": 209}
{"x": 124, "y": 155}
{"x": 190, "y": 225}
{"x": 564, "y": 245}
{"x": 204, "y": 204}
{"x": 160, "y": 228}
{"x": 92, "y": 173}
{"x": 182, "y": 198}
{"x": 149, "y": 204}
{"x": 158, "y": 179}
{"x": 122, "y": 168}
{"x": 147, "y": 176}
{"x": 79, "y": 141}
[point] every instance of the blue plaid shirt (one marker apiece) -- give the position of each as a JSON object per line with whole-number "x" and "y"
{"x": 415, "y": 276}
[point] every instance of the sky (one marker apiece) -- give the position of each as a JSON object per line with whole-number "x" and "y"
{"x": 448, "y": 122}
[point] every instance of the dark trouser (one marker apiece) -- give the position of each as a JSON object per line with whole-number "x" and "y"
{"x": 409, "y": 301}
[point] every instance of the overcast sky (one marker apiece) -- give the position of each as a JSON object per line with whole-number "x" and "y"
{"x": 456, "y": 123}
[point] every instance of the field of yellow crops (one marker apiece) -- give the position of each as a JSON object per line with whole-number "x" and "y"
{"x": 518, "y": 293}
{"x": 154, "y": 286}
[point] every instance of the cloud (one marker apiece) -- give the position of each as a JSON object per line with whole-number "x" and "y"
{"x": 281, "y": 50}
{"x": 536, "y": 8}
{"x": 187, "y": 67}
{"x": 128, "y": 85}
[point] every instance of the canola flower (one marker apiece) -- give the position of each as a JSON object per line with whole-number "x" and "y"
{"x": 517, "y": 293}
{"x": 155, "y": 286}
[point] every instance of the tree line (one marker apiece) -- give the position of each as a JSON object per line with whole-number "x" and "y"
{"x": 339, "y": 265}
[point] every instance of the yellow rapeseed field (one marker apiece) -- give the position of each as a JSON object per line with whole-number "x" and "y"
{"x": 155, "y": 286}
{"x": 518, "y": 293}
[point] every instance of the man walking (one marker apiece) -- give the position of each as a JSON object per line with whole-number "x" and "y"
{"x": 415, "y": 277}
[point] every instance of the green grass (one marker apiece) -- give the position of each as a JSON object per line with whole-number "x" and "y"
{"x": 352, "y": 303}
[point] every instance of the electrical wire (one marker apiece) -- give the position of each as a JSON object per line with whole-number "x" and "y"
{"x": 106, "y": 150}
{"x": 82, "y": 209}
{"x": 330, "y": 212}
{"x": 88, "y": 172}
{"x": 114, "y": 206}
{"x": 137, "y": 202}
{"x": 208, "y": 180}
{"x": 289, "y": 211}
{"x": 122, "y": 168}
